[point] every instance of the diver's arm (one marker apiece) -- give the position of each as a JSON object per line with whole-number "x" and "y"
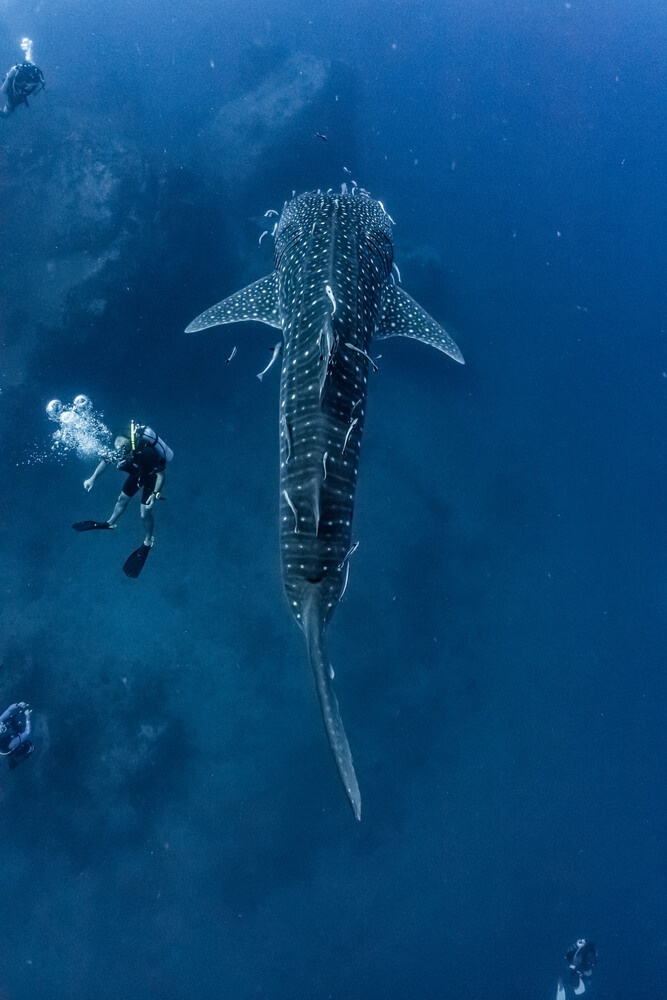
{"x": 9, "y": 81}
{"x": 88, "y": 483}
{"x": 8, "y": 712}
{"x": 157, "y": 489}
{"x": 7, "y": 110}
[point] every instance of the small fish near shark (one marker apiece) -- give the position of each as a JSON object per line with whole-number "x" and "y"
{"x": 332, "y": 294}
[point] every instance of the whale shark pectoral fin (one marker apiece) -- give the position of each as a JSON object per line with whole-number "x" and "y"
{"x": 403, "y": 317}
{"x": 319, "y": 661}
{"x": 258, "y": 301}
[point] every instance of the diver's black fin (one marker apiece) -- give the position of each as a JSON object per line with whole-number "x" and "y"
{"x": 90, "y": 525}
{"x": 135, "y": 562}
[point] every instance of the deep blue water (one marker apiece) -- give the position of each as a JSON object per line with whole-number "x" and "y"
{"x": 181, "y": 831}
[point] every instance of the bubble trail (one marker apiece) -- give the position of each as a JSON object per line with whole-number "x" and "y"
{"x": 81, "y": 431}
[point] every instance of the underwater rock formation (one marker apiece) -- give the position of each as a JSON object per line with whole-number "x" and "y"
{"x": 68, "y": 198}
{"x": 253, "y": 126}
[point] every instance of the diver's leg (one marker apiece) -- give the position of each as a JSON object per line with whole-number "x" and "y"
{"x": 148, "y": 522}
{"x": 119, "y": 509}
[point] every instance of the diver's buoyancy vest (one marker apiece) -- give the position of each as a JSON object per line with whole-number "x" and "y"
{"x": 148, "y": 438}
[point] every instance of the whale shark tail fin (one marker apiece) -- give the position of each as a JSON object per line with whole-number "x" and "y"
{"x": 314, "y": 631}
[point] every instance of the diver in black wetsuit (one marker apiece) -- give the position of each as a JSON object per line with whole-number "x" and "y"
{"x": 143, "y": 455}
{"x": 21, "y": 82}
{"x": 581, "y": 958}
{"x": 15, "y": 730}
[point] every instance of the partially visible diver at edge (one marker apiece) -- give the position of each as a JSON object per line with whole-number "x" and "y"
{"x": 21, "y": 82}
{"x": 143, "y": 455}
{"x": 15, "y": 730}
{"x": 581, "y": 958}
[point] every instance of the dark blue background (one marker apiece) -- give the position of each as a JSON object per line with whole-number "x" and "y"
{"x": 181, "y": 831}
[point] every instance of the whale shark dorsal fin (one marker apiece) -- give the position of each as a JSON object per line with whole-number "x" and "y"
{"x": 258, "y": 301}
{"x": 403, "y": 317}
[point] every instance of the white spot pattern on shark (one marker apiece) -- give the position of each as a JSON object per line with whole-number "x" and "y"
{"x": 331, "y": 294}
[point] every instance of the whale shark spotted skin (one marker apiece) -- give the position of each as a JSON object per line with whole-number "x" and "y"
{"x": 332, "y": 294}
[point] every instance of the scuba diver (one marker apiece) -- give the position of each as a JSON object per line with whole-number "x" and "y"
{"x": 15, "y": 741}
{"x": 144, "y": 457}
{"x": 21, "y": 82}
{"x": 581, "y": 958}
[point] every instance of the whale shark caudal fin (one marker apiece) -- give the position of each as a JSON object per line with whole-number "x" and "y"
{"x": 319, "y": 661}
{"x": 258, "y": 301}
{"x": 403, "y": 317}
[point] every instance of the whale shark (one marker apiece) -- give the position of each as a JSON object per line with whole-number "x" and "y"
{"x": 332, "y": 294}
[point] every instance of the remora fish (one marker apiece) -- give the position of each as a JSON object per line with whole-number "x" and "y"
{"x": 331, "y": 293}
